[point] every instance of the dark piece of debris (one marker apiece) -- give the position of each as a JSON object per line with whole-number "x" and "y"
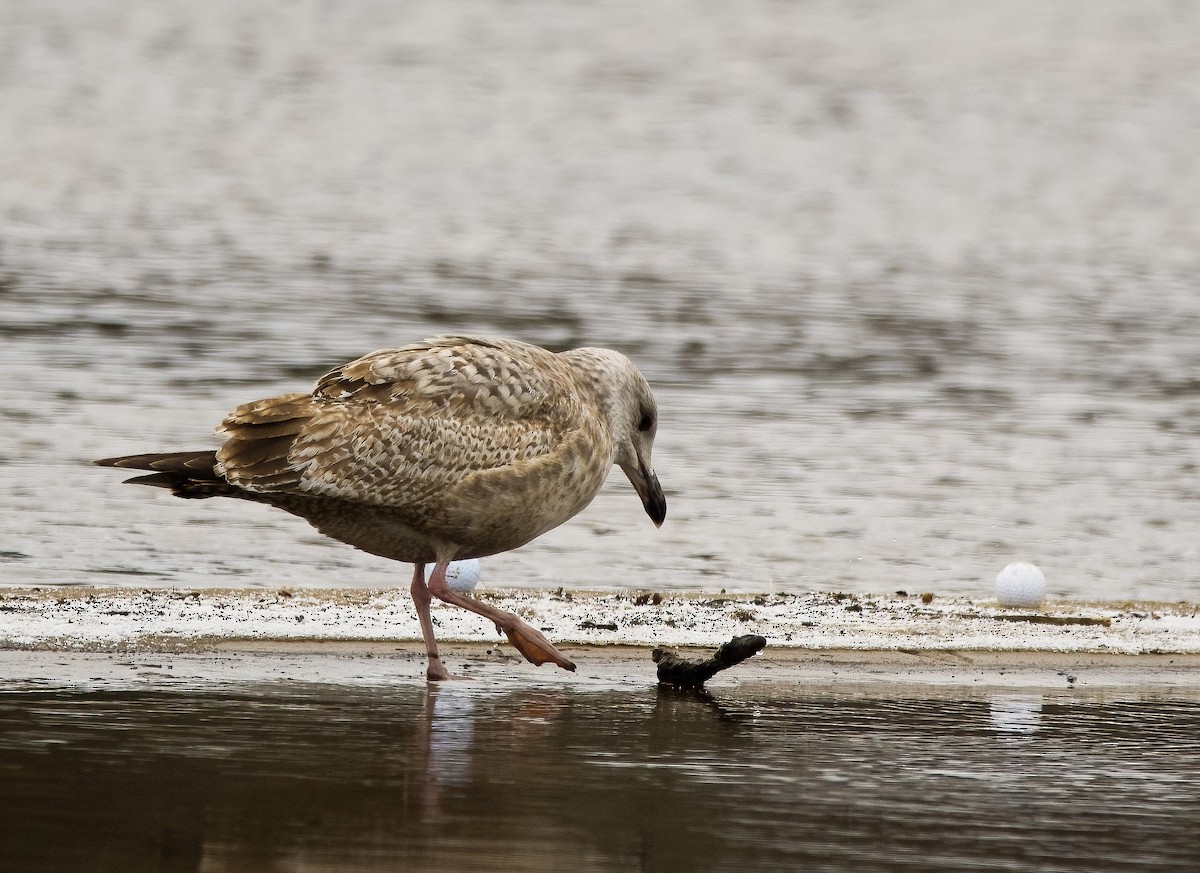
{"x": 588, "y": 624}
{"x": 1055, "y": 619}
{"x": 674, "y": 670}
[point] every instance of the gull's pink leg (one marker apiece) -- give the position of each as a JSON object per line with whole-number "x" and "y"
{"x": 528, "y": 641}
{"x": 436, "y": 671}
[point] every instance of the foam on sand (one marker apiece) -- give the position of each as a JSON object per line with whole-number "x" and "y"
{"x": 96, "y": 619}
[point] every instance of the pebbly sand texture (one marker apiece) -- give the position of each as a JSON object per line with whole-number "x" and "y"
{"x": 113, "y": 619}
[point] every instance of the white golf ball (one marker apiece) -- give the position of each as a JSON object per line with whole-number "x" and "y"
{"x": 1021, "y": 584}
{"x": 461, "y": 576}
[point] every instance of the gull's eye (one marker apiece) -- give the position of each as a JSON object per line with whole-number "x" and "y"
{"x": 646, "y": 423}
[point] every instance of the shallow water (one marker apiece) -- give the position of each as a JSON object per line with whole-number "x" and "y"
{"x": 290, "y": 776}
{"x": 916, "y": 285}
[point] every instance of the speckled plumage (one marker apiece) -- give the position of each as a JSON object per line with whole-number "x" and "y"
{"x": 455, "y": 447}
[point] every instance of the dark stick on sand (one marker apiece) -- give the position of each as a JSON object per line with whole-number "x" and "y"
{"x": 674, "y": 670}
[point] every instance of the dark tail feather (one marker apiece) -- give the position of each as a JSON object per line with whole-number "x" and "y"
{"x": 201, "y": 463}
{"x": 186, "y": 474}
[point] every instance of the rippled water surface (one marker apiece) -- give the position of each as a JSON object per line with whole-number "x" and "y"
{"x": 296, "y": 777}
{"x": 916, "y": 284}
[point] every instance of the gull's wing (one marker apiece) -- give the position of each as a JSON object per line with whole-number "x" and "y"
{"x": 399, "y": 425}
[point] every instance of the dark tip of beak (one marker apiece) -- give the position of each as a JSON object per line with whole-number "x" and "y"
{"x": 654, "y": 500}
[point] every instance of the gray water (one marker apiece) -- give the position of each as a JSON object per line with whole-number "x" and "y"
{"x": 761, "y": 777}
{"x": 916, "y": 284}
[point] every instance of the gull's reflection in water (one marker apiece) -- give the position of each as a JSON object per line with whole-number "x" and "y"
{"x": 449, "y": 734}
{"x": 469, "y": 735}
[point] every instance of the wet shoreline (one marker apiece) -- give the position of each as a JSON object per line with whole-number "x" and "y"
{"x": 105, "y": 619}
{"x": 220, "y": 666}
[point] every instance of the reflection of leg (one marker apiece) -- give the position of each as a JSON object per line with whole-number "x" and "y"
{"x": 422, "y": 758}
{"x": 435, "y": 671}
{"x": 528, "y": 641}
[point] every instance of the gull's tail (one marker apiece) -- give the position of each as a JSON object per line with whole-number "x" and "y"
{"x": 186, "y": 474}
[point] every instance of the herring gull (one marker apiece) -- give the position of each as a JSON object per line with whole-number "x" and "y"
{"x": 448, "y": 449}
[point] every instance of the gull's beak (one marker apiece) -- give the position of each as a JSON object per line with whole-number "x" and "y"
{"x": 646, "y": 484}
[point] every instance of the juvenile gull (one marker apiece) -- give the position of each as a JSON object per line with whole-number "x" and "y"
{"x": 452, "y": 448}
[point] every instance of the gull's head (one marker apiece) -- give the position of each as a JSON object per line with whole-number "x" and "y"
{"x": 633, "y": 419}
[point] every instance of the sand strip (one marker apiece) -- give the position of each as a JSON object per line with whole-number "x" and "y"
{"x": 170, "y": 620}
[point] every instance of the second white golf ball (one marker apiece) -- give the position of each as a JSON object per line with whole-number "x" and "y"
{"x": 1021, "y": 584}
{"x": 461, "y": 576}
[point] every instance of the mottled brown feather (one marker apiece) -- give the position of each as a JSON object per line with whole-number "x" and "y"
{"x": 448, "y": 448}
